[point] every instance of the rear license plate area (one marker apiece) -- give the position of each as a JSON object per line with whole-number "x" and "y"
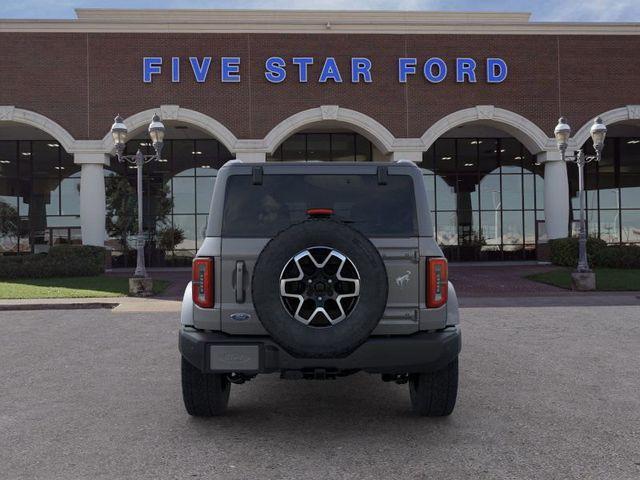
{"x": 234, "y": 358}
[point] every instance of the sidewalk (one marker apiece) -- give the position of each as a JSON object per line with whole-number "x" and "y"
{"x": 115, "y": 304}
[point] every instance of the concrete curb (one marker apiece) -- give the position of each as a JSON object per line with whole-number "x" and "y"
{"x": 57, "y": 306}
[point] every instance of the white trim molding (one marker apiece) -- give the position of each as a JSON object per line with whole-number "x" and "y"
{"x": 179, "y": 114}
{"x": 521, "y": 128}
{"x": 363, "y": 124}
{"x": 10, "y": 113}
{"x": 308, "y": 21}
{"x": 629, "y": 112}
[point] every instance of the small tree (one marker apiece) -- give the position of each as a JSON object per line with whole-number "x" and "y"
{"x": 122, "y": 209}
{"x": 169, "y": 237}
{"x": 9, "y": 221}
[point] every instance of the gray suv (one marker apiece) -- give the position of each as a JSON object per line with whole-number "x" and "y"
{"x": 319, "y": 270}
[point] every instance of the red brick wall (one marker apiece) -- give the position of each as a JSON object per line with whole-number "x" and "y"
{"x": 82, "y": 80}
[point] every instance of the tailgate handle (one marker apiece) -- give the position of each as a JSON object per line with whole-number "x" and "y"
{"x": 240, "y": 281}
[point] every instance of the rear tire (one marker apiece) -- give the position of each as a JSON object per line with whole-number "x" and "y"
{"x": 434, "y": 394}
{"x": 204, "y": 394}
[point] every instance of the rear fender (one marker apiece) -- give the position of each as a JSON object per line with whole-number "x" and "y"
{"x": 186, "y": 313}
{"x": 453, "y": 315}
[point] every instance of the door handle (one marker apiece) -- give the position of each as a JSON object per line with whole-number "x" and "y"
{"x": 240, "y": 282}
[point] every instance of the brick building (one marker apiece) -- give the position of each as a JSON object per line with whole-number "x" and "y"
{"x": 473, "y": 98}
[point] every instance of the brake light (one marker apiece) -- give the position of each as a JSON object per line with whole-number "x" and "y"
{"x": 320, "y": 212}
{"x": 202, "y": 282}
{"x": 437, "y": 282}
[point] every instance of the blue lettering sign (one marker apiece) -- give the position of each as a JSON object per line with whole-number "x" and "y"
{"x": 151, "y": 66}
{"x": 434, "y": 69}
{"x": 406, "y": 66}
{"x": 496, "y": 70}
{"x": 330, "y": 71}
{"x": 360, "y": 67}
{"x": 428, "y": 70}
{"x": 465, "y": 67}
{"x": 303, "y": 67}
{"x": 275, "y": 69}
{"x": 175, "y": 69}
{"x": 230, "y": 70}
{"x": 200, "y": 71}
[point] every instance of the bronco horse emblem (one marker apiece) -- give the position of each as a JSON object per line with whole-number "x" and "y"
{"x": 404, "y": 279}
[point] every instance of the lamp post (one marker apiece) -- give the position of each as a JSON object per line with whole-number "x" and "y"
{"x": 156, "y": 132}
{"x": 598, "y": 133}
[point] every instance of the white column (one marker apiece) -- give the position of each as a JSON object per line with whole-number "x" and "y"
{"x": 92, "y": 197}
{"x": 406, "y": 155}
{"x": 556, "y": 194}
{"x": 252, "y": 157}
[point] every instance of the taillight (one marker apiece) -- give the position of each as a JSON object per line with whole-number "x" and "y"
{"x": 320, "y": 212}
{"x": 437, "y": 282}
{"x": 202, "y": 282}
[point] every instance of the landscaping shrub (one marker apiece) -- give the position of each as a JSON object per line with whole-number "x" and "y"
{"x": 618, "y": 256}
{"x": 564, "y": 251}
{"x": 61, "y": 261}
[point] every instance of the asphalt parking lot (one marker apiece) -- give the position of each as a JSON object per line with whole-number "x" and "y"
{"x": 545, "y": 393}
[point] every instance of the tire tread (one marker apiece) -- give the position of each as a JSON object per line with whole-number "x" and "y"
{"x": 204, "y": 394}
{"x": 434, "y": 394}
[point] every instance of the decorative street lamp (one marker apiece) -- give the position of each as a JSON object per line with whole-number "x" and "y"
{"x": 598, "y": 133}
{"x": 156, "y": 132}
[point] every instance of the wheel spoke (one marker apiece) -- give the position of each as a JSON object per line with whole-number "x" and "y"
{"x": 316, "y": 284}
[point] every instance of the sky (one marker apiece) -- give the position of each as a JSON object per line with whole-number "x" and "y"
{"x": 542, "y": 10}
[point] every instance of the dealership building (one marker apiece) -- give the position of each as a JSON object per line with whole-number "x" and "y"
{"x": 471, "y": 98}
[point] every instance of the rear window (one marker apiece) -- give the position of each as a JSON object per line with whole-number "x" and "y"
{"x": 281, "y": 200}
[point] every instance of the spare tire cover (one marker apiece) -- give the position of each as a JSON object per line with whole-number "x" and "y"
{"x": 319, "y": 288}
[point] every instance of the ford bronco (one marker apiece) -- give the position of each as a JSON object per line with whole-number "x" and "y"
{"x": 317, "y": 271}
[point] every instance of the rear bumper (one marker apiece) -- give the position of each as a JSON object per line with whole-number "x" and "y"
{"x": 221, "y": 353}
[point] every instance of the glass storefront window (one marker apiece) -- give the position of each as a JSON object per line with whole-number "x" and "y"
{"x": 8, "y": 159}
{"x": 294, "y": 149}
{"x": 610, "y": 226}
{"x": 512, "y": 192}
{"x": 70, "y": 195}
{"x": 612, "y": 189}
{"x": 445, "y": 156}
{"x": 204, "y": 190}
{"x": 490, "y": 198}
{"x": 343, "y": 147}
{"x": 630, "y": 224}
{"x": 511, "y": 155}
{"x": 39, "y": 195}
{"x": 183, "y": 195}
{"x": 530, "y": 227}
{"x": 487, "y": 158}
{"x": 182, "y": 157}
{"x": 337, "y": 147}
{"x": 512, "y": 228}
{"x": 447, "y": 231}
{"x": 487, "y": 198}
{"x": 188, "y": 225}
{"x": 318, "y": 146}
{"x": 445, "y": 195}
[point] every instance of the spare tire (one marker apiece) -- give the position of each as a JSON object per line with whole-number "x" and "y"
{"x": 319, "y": 288}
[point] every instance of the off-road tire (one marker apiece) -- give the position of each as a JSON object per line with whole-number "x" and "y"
{"x": 204, "y": 394}
{"x": 339, "y": 339}
{"x": 433, "y": 394}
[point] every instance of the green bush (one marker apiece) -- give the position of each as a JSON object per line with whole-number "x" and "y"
{"x": 618, "y": 256}
{"x": 61, "y": 261}
{"x": 564, "y": 251}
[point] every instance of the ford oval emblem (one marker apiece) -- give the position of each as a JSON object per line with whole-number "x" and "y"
{"x": 240, "y": 317}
